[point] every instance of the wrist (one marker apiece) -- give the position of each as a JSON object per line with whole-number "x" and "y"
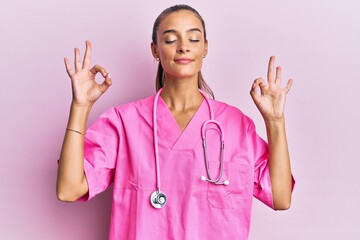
{"x": 78, "y": 117}
{"x": 274, "y": 120}
{"x": 275, "y": 123}
{"x": 81, "y": 106}
{"x": 275, "y": 130}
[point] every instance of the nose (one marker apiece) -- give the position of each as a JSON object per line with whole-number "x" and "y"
{"x": 182, "y": 47}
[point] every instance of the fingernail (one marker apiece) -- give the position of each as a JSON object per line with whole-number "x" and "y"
{"x": 108, "y": 75}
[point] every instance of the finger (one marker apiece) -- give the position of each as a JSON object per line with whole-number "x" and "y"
{"x": 77, "y": 59}
{"x": 288, "y": 85}
{"x": 278, "y": 75}
{"x": 253, "y": 88}
{"x": 68, "y": 67}
{"x": 87, "y": 56}
{"x": 97, "y": 68}
{"x": 262, "y": 84}
{"x": 254, "y": 92}
{"x": 106, "y": 83}
{"x": 270, "y": 75}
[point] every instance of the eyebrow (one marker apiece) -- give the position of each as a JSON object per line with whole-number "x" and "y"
{"x": 174, "y": 31}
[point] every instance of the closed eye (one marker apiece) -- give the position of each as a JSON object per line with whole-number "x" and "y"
{"x": 194, "y": 40}
{"x": 170, "y": 41}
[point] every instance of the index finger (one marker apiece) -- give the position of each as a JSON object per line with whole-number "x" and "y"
{"x": 97, "y": 68}
{"x": 87, "y": 56}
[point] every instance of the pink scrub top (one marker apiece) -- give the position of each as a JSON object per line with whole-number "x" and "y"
{"x": 119, "y": 149}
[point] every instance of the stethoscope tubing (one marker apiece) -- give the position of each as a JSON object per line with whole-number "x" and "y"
{"x": 158, "y": 182}
{"x": 210, "y": 179}
{"x": 158, "y": 198}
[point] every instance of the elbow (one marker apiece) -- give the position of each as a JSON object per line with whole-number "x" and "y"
{"x": 69, "y": 194}
{"x": 282, "y": 198}
{"x": 70, "y": 191}
{"x": 282, "y": 205}
{"x": 65, "y": 197}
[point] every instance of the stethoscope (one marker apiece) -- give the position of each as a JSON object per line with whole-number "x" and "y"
{"x": 158, "y": 198}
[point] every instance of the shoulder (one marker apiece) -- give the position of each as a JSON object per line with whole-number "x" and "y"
{"x": 230, "y": 112}
{"x": 135, "y": 105}
{"x": 131, "y": 112}
{"x": 129, "y": 107}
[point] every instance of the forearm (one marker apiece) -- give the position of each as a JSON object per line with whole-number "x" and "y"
{"x": 279, "y": 164}
{"x": 71, "y": 181}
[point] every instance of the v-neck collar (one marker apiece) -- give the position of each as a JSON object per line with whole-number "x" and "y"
{"x": 170, "y": 132}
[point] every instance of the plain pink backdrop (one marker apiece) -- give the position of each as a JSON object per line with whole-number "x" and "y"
{"x": 316, "y": 42}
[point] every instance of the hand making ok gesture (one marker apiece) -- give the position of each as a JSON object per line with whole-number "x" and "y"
{"x": 271, "y": 100}
{"x": 84, "y": 87}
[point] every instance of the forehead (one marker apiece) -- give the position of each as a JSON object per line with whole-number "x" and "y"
{"x": 180, "y": 21}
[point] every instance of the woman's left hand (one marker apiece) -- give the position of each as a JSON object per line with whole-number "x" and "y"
{"x": 271, "y": 100}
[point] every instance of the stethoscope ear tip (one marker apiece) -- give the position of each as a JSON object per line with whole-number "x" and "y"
{"x": 226, "y": 182}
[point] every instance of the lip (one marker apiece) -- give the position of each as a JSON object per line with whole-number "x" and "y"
{"x": 183, "y": 60}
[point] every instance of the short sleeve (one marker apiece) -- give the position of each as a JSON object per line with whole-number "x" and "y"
{"x": 260, "y": 154}
{"x": 100, "y": 152}
{"x": 262, "y": 182}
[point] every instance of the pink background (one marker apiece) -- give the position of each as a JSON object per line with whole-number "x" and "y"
{"x": 316, "y": 42}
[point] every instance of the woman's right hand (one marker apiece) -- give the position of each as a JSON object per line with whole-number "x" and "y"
{"x": 84, "y": 87}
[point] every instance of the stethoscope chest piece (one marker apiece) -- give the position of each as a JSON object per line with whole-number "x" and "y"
{"x": 158, "y": 199}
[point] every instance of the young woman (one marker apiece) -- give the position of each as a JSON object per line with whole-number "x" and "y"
{"x": 183, "y": 166}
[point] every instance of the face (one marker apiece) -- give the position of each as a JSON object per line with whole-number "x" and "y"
{"x": 180, "y": 45}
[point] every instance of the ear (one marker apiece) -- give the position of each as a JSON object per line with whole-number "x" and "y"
{"x": 154, "y": 50}
{"x": 206, "y": 46}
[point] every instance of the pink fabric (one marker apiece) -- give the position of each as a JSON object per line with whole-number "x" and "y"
{"x": 119, "y": 149}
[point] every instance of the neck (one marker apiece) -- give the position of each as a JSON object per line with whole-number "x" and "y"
{"x": 181, "y": 94}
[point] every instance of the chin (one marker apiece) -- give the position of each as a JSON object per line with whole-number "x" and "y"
{"x": 184, "y": 74}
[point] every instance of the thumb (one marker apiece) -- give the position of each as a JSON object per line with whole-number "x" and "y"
{"x": 106, "y": 83}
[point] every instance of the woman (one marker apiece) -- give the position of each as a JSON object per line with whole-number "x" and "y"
{"x": 168, "y": 183}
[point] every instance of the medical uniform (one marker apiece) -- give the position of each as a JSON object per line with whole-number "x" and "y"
{"x": 119, "y": 149}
